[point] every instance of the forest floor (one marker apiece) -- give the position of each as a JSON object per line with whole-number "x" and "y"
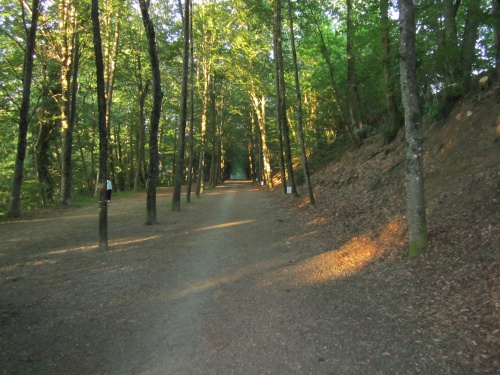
{"x": 248, "y": 281}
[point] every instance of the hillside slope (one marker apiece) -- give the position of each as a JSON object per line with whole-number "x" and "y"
{"x": 452, "y": 293}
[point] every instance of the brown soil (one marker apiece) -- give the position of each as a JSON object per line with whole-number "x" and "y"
{"x": 244, "y": 281}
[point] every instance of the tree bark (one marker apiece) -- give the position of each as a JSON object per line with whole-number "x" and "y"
{"x": 151, "y": 217}
{"x": 391, "y": 101}
{"x": 279, "y": 117}
{"x": 191, "y": 121}
{"x": 259, "y": 106}
{"x": 14, "y": 209}
{"x": 305, "y": 164}
{"x": 69, "y": 110}
{"x": 353, "y": 100}
{"x": 213, "y": 128}
{"x": 414, "y": 174}
{"x": 103, "y": 140}
{"x": 181, "y": 143}
{"x": 110, "y": 62}
{"x": 450, "y": 40}
{"x": 200, "y": 183}
{"x": 67, "y": 15}
{"x": 468, "y": 52}
{"x": 143, "y": 93}
{"x": 496, "y": 29}
{"x": 47, "y": 128}
{"x": 282, "y": 102}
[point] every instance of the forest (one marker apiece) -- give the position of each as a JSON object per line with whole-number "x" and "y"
{"x": 165, "y": 93}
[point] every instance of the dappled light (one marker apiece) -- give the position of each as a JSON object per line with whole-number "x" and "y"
{"x": 230, "y": 277}
{"x": 350, "y": 258}
{"x": 225, "y": 225}
{"x": 34, "y": 263}
{"x": 115, "y": 246}
{"x": 73, "y": 249}
{"x": 112, "y": 245}
{"x": 47, "y": 219}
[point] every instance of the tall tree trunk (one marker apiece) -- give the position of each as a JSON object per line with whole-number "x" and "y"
{"x": 259, "y": 106}
{"x": 416, "y": 216}
{"x": 352, "y": 84}
{"x": 251, "y": 147}
{"x": 450, "y": 40}
{"x": 219, "y": 178}
{"x": 191, "y": 121}
{"x": 181, "y": 143}
{"x": 143, "y": 93}
{"x": 67, "y": 151}
{"x": 103, "y": 140}
{"x": 282, "y": 101}
{"x": 46, "y": 132}
{"x": 67, "y": 26}
{"x": 151, "y": 217}
{"x": 279, "y": 117}
{"x": 200, "y": 183}
{"x": 14, "y": 209}
{"x": 305, "y": 164}
{"x": 42, "y": 156}
{"x": 259, "y": 155}
{"x": 213, "y": 128}
{"x": 468, "y": 52}
{"x": 110, "y": 62}
{"x": 390, "y": 98}
{"x": 496, "y": 29}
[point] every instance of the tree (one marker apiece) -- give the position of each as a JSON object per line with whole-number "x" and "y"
{"x": 47, "y": 129}
{"x": 391, "y": 102}
{"x": 259, "y": 108}
{"x": 281, "y": 100}
{"x": 103, "y": 140}
{"x": 496, "y": 28}
{"x": 415, "y": 200}
{"x": 353, "y": 100}
{"x": 151, "y": 217}
{"x": 191, "y": 120}
{"x": 280, "y": 115}
{"x": 68, "y": 54}
{"x": 143, "y": 88}
{"x": 15, "y": 197}
{"x": 468, "y": 51}
{"x": 208, "y": 36}
{"x": 331, "y": 76}
{"x": 179, "y": 167}
{"x": 305, "y": 165}
{"x": 111, "y": 20}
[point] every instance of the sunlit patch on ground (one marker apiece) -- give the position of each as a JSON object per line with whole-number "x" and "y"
{"x": 225, "y": 225}
{"x": 48, "y": 219}
{"x": 119, "y": 244}
{"x": 112, "y": 245}
{"x": 235, "y": 275}
{"x": 350, "y": 258}
{"x": 73, "y": 249}
{"x": 26, "y": 264}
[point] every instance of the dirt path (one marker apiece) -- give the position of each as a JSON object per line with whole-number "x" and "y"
{"x": 229, "y": 285}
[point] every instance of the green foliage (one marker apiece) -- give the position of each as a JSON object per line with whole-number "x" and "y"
{"x": 327, "y": 152}
{"x": 387, "y": 132}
